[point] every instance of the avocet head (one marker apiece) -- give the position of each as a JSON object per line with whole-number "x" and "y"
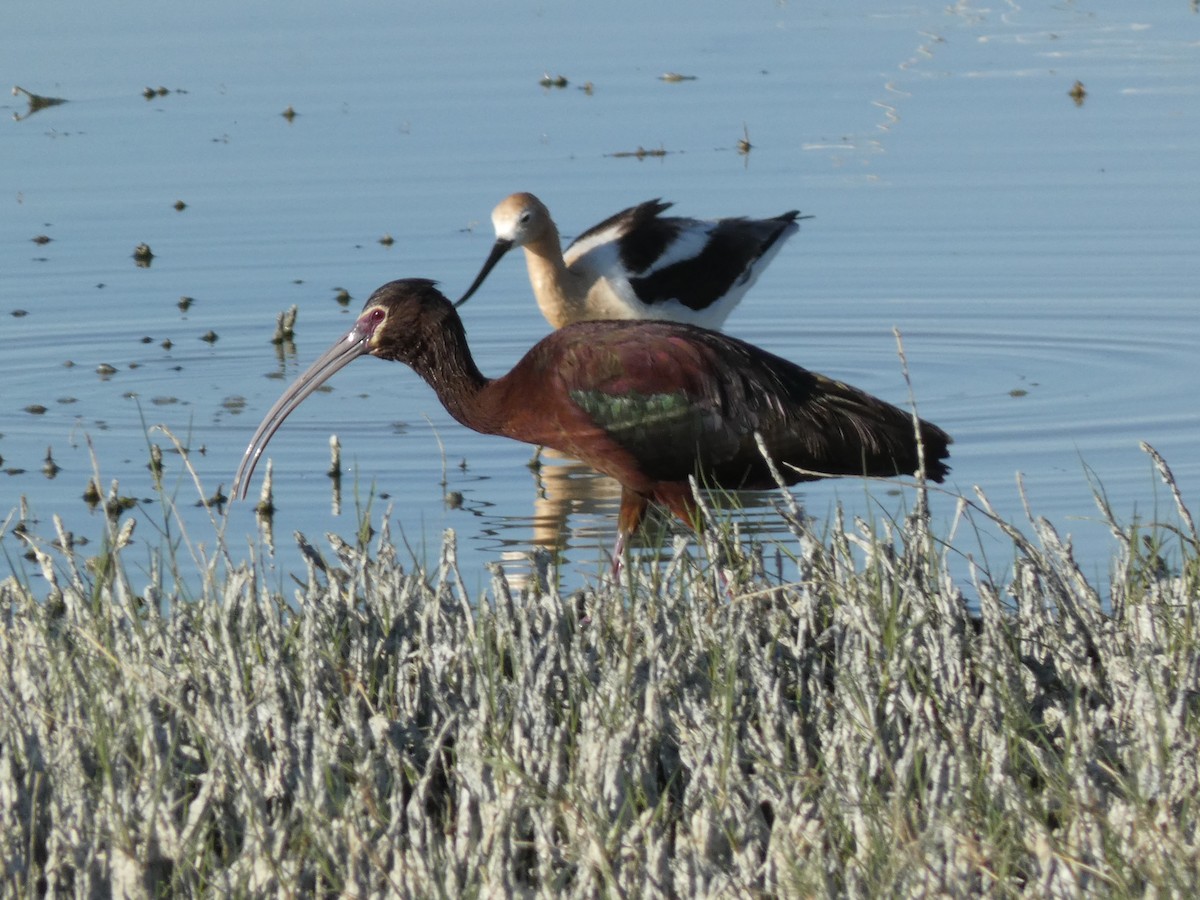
{"x": 519, "y": 220}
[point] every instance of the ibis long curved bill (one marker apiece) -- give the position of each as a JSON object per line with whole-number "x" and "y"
{"x": 499, "y": 248}
{"x": 353, "y": 344}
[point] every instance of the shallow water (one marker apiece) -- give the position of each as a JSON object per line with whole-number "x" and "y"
{"x": 1037, "y": 256}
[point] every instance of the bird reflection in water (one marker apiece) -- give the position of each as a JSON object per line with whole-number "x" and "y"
{"x": 574, "y": 511}
{"x": 575, "y": 514}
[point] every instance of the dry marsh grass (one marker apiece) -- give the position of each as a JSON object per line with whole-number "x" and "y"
{"x": 857, "y": 730}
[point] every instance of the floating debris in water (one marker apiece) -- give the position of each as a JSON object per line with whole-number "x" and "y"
{"x": 335, "y": 474}
{"x": 289, "y": 114}
{"x": 36, "y": 102}
{"x": 1078, "y": 93}
{"x": 217, "y": 500}
{"x": 156, "y": 462}
{"x": 675, "y": 77}
{"x": 49, "y": 467}
{"x": 743, "y": 145}
{"x": 387, "y": 240}
{"x": 553, "y": 81}
{"x": 266, "y": 497}
{"x": 640, "y": 153}
{"x": 66, "y": 540}
{"x": 180, "y": 206}
{"x": 209, "y": 337}
{"x": 335, "y": 457}
{"x": 143, "y": 256}
{"x": 185, "y": 303}
{"x": 91, "y": 493}
{"x": 116, "y": 503}
{"x": 285, "y": 326}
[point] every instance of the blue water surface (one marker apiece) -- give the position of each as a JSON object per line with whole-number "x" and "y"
{"x": 1037, "y": 256}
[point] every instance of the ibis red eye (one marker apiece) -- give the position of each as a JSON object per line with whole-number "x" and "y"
{"x": 369, "y": 321}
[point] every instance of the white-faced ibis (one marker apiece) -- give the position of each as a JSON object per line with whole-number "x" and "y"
{"x": 648, "y": 403}
{"x": 637, "y": 264}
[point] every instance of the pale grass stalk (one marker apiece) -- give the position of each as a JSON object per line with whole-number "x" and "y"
{"x": 859, "y": 730}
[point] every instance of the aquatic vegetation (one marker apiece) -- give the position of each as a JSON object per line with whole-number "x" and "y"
{"x": 37, "y": 102}
{"x": 143, "y": 256}
{"x": 639, "y": 153}
{"x": 828, "y": 718}
{"x": 743, "y": 145}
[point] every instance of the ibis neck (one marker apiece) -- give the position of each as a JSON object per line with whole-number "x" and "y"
{"x": 444, "y": 361}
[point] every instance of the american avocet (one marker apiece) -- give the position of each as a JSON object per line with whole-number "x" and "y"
{"x": 637, "y": 264}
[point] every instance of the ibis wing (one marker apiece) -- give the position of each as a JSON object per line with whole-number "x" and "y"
{"x": 674, "y": 398}
{"x": 681, "y": 400}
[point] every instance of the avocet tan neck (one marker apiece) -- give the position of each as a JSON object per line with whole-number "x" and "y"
{"x": 562, "y": 294}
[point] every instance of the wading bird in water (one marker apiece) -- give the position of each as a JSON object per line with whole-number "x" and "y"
{"x": 637, "y": 264}
{"x": 647, "y": 403}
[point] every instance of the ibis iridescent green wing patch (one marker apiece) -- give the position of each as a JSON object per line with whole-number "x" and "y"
{"x": 641, "y": 420}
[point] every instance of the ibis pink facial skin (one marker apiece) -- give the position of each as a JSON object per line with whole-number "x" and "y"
{"x": 649, "y": 403}
{"x": 637, "y": 264}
